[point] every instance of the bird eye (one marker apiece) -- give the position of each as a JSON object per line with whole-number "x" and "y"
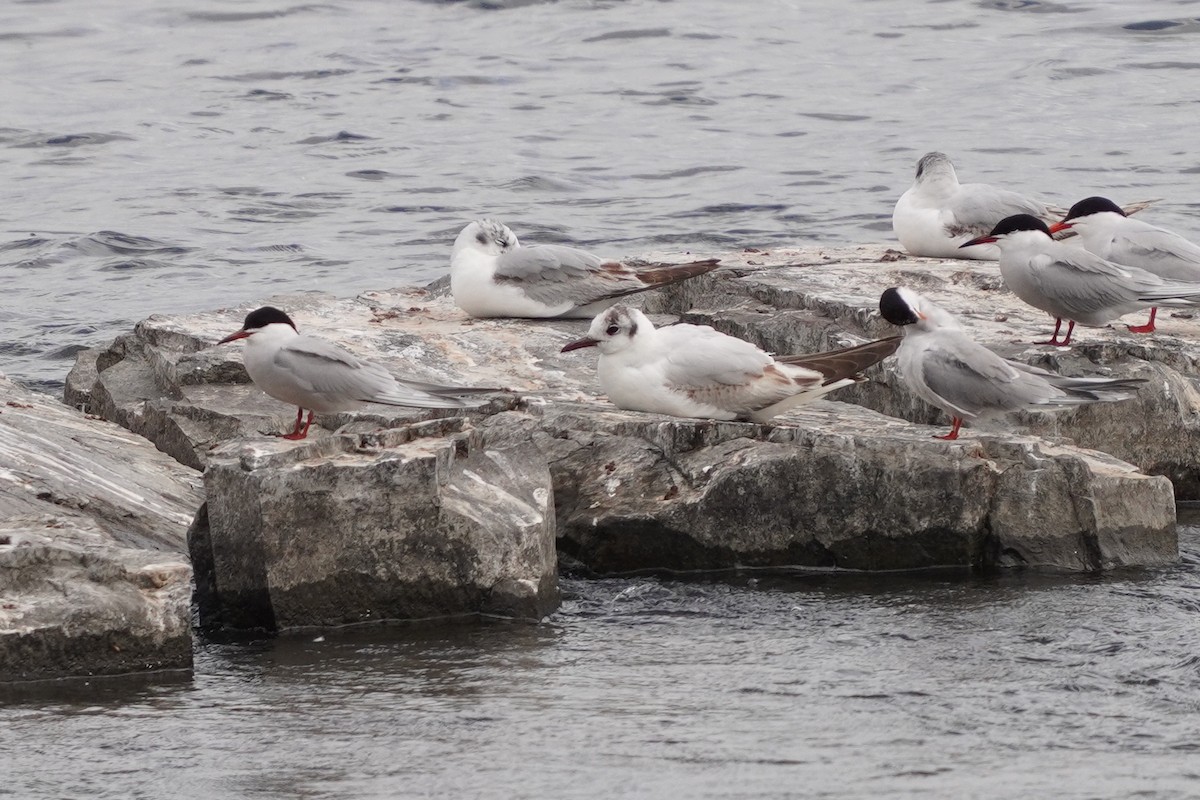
{"x": 481, "y": 238}
{"x": 613, "y": 330}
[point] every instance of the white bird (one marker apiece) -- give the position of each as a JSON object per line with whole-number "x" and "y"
{"x": 695, "y": 371}
{"x": 947, "y": 369}
{"x": 938, "y": 214}
{"x": 492, "y": 275}
{"x": 321, "y": 376}
{"x": 1104, "y": 229}
{"x": 1070, "y": 283}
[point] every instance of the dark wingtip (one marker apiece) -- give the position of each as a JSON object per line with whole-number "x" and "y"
{"x": 847, "y": 362}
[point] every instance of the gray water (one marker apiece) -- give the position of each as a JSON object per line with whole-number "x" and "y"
{"x": 176, "y": 156}
{"x": 936, "y": 685}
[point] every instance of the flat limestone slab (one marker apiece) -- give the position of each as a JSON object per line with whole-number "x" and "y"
{"x": 93, "y": 579}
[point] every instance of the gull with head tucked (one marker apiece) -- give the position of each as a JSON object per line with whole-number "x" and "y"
{"x": 938, "y": 214}
{"x": 695, "y": 371}
{"x": 493, "y": 275}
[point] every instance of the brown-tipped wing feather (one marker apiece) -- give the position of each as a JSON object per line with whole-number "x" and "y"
{"x": 847, "y": 362}
{"x": 554, "y": 274}
{"x": 664, "y": 274}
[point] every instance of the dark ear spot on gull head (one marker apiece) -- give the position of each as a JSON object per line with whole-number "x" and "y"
{"x": 495, "y": 232}
{"x": 895, "y": 308}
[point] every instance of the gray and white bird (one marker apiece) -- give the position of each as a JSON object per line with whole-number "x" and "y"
{"x": 493, "y": 275}
{"x": 695, "y": 371}
{"x": 321, "y": 376}
{"x": 938, "y": 214}
{"x": 1106, "y": 230}
{"x": 1072, "y": 284}
{"x": 944, "y": 367}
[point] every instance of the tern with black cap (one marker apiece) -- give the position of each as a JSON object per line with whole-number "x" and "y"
{"x": 943, "y": 366}
{"x": 320, "y": 376}
{"x": 1069, "y": 283}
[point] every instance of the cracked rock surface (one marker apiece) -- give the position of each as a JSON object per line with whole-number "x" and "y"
{"x": 836, "y": 484}
{"x": 93, "y": 576}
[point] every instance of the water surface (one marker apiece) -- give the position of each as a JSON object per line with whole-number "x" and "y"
{"x": 178, "y": 156}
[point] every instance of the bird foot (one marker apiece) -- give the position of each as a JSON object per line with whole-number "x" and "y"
{"x": 949, "y": 437}
{"x": 1056, "y": 343}
{"x": 1147, "y": 328}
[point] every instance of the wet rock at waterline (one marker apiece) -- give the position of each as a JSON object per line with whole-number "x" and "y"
{"x": 412, "y": 522}
{"x": 836, "y": 485}
{"x": 93, "y": 579}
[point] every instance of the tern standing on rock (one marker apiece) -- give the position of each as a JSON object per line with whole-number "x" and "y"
{"x": 492, "y": 275}
{"x": 938, "y": 214}
{"x": 695, "y": 371}
{"x": 1104, "y": 229}
{"x": 1068, "y": 282}
{"x": 947, "y": 369}
{"x": 321, "y": 376}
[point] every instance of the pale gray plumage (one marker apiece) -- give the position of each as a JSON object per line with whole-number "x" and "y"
{"x": 493, "y": 275}
{"x": 946, "y": 368}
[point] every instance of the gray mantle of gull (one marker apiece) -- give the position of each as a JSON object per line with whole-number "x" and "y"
{"x": 399, "y": 514}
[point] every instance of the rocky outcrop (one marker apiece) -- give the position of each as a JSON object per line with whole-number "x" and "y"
{"x": 833, "y": 485}
{"x": 93, "y": 579}
{"x": 411, "y": 522}
{"x": 805, "y": 300}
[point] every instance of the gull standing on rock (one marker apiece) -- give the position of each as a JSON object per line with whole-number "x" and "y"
{"x": 321, "y": 376}
{"x": 492, "y": 275}
{"x": 694, "y": 371}
{"x": 1071, "y": 283}
{"x": 1104, "y": 229}
{"x": 938, "y": 214}
{"x": 947, "y": 369}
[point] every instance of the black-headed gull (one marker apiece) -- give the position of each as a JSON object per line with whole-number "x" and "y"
{"x": 317, "y": 375}
{"x": 943, "y": 366}
{"x": 694, "y": 371}
{"x": 1106, "y": 230}
{"x": 1070, "y": 283}
{"x": 493, "y": 275}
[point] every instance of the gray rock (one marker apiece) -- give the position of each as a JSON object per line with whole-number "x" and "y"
{"x": 834, "y": 485}
{"x": 92, "y": 523}
{"x": 418, "y": 521}
{"x": 799, "y": 300}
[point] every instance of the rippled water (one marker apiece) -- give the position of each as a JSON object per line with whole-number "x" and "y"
{"x": 939, "y": 685}
{"x": 186, "y": 155}
{"x": 192, "y": 154}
